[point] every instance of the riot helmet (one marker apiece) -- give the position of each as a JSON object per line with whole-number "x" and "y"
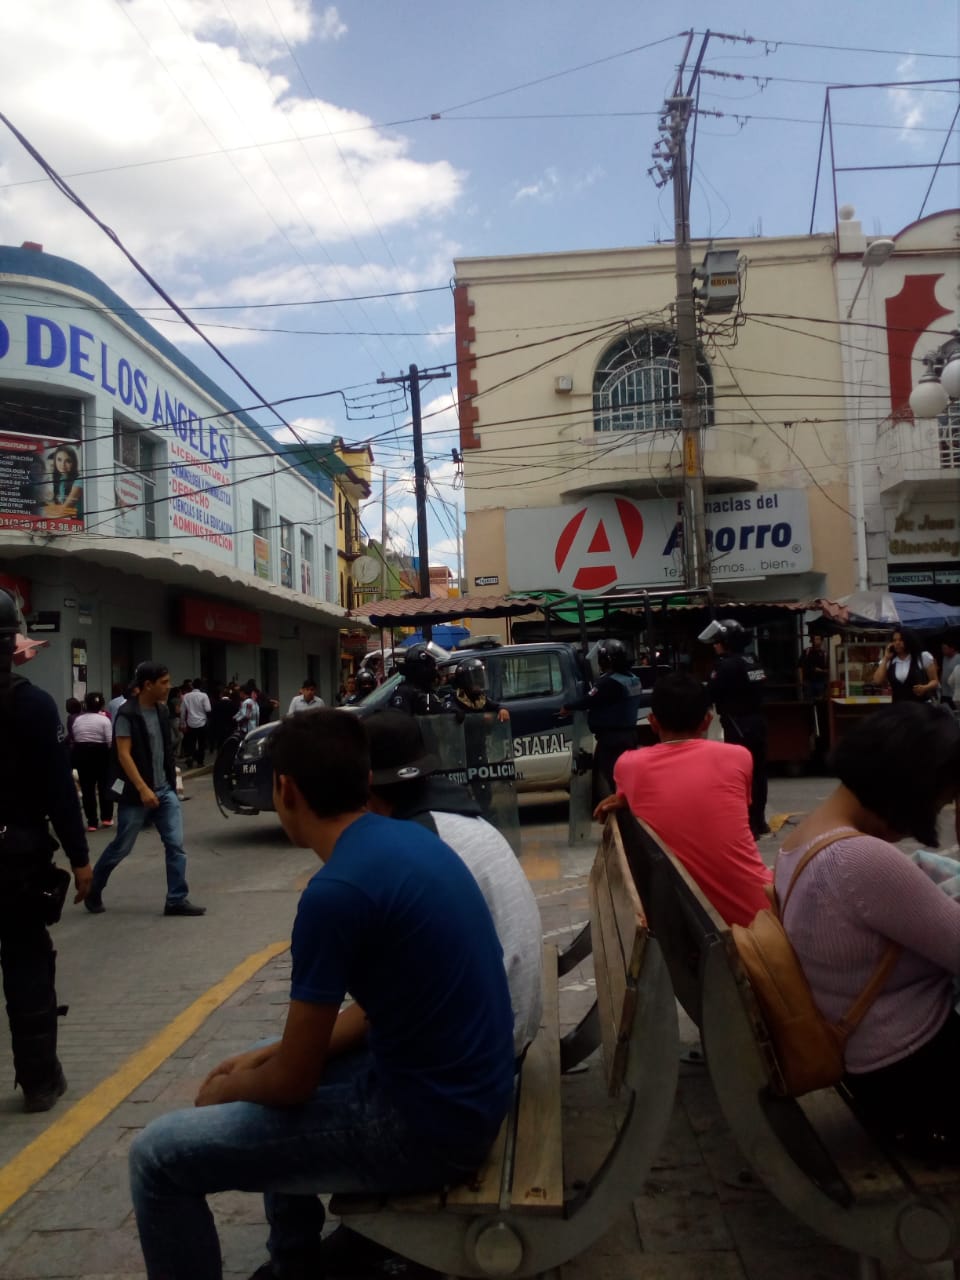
{"x": 470, "y": 676}
{"x": 613, "y": 655}
{"x": 366, "y": 682}
{"x": 420, "y": 666}
{"x": 729, "y": 632}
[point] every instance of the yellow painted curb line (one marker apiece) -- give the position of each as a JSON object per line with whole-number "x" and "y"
{"x": 37, "y": 1159}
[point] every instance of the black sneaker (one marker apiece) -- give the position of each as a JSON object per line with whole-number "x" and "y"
{"x": 184, "y": 908}
{"x": 94, "y": 902}
{"x": 43, "y": 1099}
{"x": 346, "y": 1255}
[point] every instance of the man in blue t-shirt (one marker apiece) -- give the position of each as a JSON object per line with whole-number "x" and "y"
{"x": 403, "y": 1091}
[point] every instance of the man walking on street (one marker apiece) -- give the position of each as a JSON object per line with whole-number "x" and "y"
{"x": 248, "y": 717}
{"x": 196, "y": 708}
{"x": 146, "y": 783}
{"x": 306, "y": 699}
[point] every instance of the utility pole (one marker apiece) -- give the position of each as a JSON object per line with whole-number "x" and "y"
{"x": 383, "y": 536}
{"x": 412, "y": 379}
{"x": 670, "y": 165}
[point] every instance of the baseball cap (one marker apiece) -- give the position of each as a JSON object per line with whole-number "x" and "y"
{"x": 397, "y": 750}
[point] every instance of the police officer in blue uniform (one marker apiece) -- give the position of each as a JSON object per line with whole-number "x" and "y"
{"x": 611, "y": 706}
{"x": 736, "y": 686}
{"x": 36, "y": 784}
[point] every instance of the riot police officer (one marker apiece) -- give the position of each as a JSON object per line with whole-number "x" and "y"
{"x": 364, "y": 684}
{"x": 611, "y": 706}
{"x": 467, "y": 691}
{"x": 736, "y": 686}
{"x": 36, "y": 783}
{"x": 415, "y": 693}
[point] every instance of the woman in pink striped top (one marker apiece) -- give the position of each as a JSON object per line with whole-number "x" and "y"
{"x": 896, "y": 770}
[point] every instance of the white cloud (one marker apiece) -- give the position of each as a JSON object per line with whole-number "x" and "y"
{"x": 551, "y": 185}
{"x": 329, "y": 24}
{"x": 908, "y": 106}
{"x": 544, "y": 189}
{"x": 309, "y": 429}
{"x": 98, "y": 85}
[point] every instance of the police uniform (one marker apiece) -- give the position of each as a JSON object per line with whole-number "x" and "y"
{"x": 611, "y": 706}
{"x": 736, "y": 686}
{"x": 36, "y": 783}
{"x": 415, "y": 701}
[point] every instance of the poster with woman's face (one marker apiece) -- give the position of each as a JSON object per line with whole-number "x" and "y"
{"x": 41, "y": 489}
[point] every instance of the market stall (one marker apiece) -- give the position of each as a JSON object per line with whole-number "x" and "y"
{"x": 863, "y": 624}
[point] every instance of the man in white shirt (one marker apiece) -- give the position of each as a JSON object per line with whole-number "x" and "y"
{"x": 306, "y": 699}
{"x": 248, "y": 717}
{"x": 194, "y": 709}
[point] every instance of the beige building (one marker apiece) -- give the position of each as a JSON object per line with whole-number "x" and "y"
{"x": 569, "y": 423}
{"x": 352, "y": 488}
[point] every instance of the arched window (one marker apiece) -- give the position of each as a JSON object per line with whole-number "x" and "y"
{"x": 636, "y": 385}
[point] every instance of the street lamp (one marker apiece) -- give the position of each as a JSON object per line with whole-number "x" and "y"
{"x": 875, "y": 254}
{"x": 941, "y": 381}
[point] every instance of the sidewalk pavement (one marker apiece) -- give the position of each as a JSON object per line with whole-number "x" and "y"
{"x": 702, "y": 1214}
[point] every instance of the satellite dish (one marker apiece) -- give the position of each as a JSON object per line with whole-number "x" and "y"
{"x": 366, "y": 570}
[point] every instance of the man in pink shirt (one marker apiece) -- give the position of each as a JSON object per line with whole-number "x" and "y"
{"x": 695, "y": 794}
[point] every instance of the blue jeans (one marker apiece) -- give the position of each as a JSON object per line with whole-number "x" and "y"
{"x": 131, "y": 819}
{"x": 348, "y": 1137}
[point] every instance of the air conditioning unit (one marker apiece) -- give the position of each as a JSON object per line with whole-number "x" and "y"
{"x": 720, "y": 274}
{"x": 563, "y": 384}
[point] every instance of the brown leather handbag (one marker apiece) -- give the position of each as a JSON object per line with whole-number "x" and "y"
{"x": 809, "y": 1050}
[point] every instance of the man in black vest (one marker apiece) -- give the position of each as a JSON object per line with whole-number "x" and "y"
{"x": 36, "y": 784}
{"x": 146, "y": 780}
{"x": 736, "y": 687}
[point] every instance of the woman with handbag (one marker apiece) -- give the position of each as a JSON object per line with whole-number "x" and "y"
{"x": 858, "y": 895}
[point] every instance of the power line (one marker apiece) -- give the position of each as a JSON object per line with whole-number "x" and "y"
{"x": 772, "y": 45}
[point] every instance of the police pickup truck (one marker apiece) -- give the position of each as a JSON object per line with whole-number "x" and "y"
{"x": 533, "y": 681}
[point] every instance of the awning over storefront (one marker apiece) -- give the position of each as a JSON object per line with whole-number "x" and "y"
{"x": 413, "y": 612}
{"x": 157, "y": 562}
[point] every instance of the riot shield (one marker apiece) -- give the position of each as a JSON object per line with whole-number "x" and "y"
{"x": 581, "y": 782}
{"x": 491, "y": 773}
{"x": 478, "y": 753}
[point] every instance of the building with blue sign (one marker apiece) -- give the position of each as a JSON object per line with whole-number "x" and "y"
{"x": 143, "y": 513}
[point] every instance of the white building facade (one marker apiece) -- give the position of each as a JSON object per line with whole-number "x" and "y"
{"x": 904, "y": 473}
{"x": 143, "y": 514}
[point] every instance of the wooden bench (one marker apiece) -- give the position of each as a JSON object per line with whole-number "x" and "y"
{"x": 812, "y": 1153}
{"x": 517, "y": 1217}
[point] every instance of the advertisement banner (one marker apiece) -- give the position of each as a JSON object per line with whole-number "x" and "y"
{"x": 610, "y": 541}
{"x": 129, "y": 494}
{"x": 41, "y": 484}
{"x": 927, "y": 532}
{"x": 261, "y": 557}
{"x": 92, "y": 356}
{"x": 214, "y": 620}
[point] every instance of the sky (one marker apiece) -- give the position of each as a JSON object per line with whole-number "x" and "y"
{"x": 267, "y": 159}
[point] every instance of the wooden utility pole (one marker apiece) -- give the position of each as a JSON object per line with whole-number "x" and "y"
{"x": 412, "y": 379}
{"x": 670, "y": 156}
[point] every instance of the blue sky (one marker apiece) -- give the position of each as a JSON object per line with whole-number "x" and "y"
{"x": 248, "y": 152}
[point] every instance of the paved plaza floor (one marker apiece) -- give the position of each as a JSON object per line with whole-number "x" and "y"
{"x": 138, "y": 1045}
